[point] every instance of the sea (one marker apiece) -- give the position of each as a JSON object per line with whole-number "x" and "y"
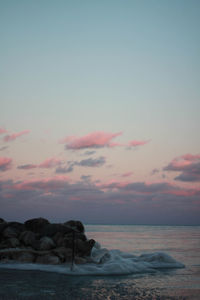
{"x": 132, "y": 262}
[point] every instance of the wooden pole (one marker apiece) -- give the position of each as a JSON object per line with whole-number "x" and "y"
{"x": 73, "y": 250}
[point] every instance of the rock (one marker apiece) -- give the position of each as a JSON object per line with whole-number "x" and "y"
{"x": 26, "y": 257}
{"x": 51, "y": 229}
{"x": 58, "y": 236}
{"x": 84, "y": 248}
{"x": 75, "y": 225}
{"x": 10, "y": 243}
{"x": 88, "y": 247}
{"x": 46, "y": 243}
{"x": 39, "y": 241}
{"x": 48, "y": 259}
{"x": 36, "y": 225}
{"x": 13, "y": 242}
{"x": 28, "y": 238}
{"x": 66, "y": 242}
{"x": 2, "y": 220}
{"x": 77, "y": 235}
{"x": 60, "y": 242}
{"x": 19, "y": 227}
{"x": 10, "y": 232}
{"x": 4, "y": 257}
{"x": 64, "y": 254}
{"x": 81, "y": 236}
{"x": 80, "y": 260}
{"x": 3, "y": 225}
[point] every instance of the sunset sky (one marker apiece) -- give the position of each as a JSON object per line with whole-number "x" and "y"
{"x": 100, "y": 111}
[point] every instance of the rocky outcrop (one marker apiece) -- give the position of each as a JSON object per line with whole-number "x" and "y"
{"x": 39, "y": 241}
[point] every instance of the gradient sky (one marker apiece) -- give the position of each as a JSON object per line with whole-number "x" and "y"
{"x": 100, "y": 106}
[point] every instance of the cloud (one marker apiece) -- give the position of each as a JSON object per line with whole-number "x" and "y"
{"x": 98, "y": 139}
{"x": 136, "y": 143}
{"x": 47, "y": 164}
{"x": 63, "y": 170}
{"x": 91, "y": 162}
{"x": 89, "y": 152}
{"x": 12, "y": 137}
{"x": 5, "y": 163}
{"x": 154, "y": 171}
{"x": 3, "y": 148}
{"x": 133, "y": 202}
{"x": 127, "y": 174}
{"x": 188, "y": 165}
{"x": 50, "y": 163}
{"x": 3, "y": 130}
{"x": 86, "y": 178}
{"x": 27, "y": 167}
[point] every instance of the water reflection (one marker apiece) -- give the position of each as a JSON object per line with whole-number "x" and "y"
{"x": 42, "y": 285}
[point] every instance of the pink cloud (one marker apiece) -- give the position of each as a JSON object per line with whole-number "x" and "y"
{"x": 190, "y": 157}
{"x": 47, "y": 164}
{"x": 47, "y": 184}
{"x": 188, "y": 165}
{"x": 2, "y": 130}
{"x": 5, "y": 163}
{"x": 127, "y": 174}
{"x": 96, "y": 139}
{"x": 27, "y": 167}
{"x": 50, "y": 163}
{"x": 12, "y": 137}
{"x": 136, "y": 143}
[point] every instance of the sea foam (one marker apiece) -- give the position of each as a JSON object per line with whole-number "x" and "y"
{"x": 107, "y": 262}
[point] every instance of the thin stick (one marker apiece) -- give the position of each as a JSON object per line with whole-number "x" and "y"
{"x": 73, "y": 251}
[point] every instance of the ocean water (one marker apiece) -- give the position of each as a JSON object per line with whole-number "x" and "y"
{"x": 133, "y": 262}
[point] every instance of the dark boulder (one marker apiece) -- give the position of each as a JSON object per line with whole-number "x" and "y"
{"x": 10, "y": 243}
{"x": 46, "y": 243}
{"x": 28, "y": 238}
{"x": 48, "y": 259}
{"x": 64, "y": 254}
{"x": 84, "y": 248}
{"x": 77, "y": 225}
{"x": 10, "y": 232}
{"x": 3, "y": 225}
{"x": 58, "y": 236}
{"x": 19, "y": 227}
{"x": 51, "y": 229}
{"x": 36, "y": 225}
{"x": 26, "y": 257}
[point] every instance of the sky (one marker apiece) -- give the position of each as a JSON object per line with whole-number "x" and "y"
{"x": 99, "y": 117}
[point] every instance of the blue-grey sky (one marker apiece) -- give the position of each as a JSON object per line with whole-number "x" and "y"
{"x": 121, "y": 78}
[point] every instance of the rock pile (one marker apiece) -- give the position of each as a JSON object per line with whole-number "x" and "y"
{"x": 39, "y": 241}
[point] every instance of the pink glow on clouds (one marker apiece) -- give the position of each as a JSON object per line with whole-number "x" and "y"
{"x": 12, "y": 137}
{"x": 48, "y": 184}
{"x": 188, "y": 165}
{"x": 50, "y": 163}
{"x": 183, "y": 192}
{"x": 179, "y": 164}
{"x": 136, "y": 143}
{"x": 112, "y": 183}
{"x": 183, "y": 162}
{"x": 27, "y": 167}
{"x": 190, "y": 157}
{"x": 127, "y": 174}
{"x": 47, "y": 164}
{"x": 5, "y": 163}
{"x": 3, "y": 130}
{"x": 96, "y": 139}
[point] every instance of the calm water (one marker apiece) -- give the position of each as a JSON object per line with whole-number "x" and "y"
{"x": 180, "y": 242}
